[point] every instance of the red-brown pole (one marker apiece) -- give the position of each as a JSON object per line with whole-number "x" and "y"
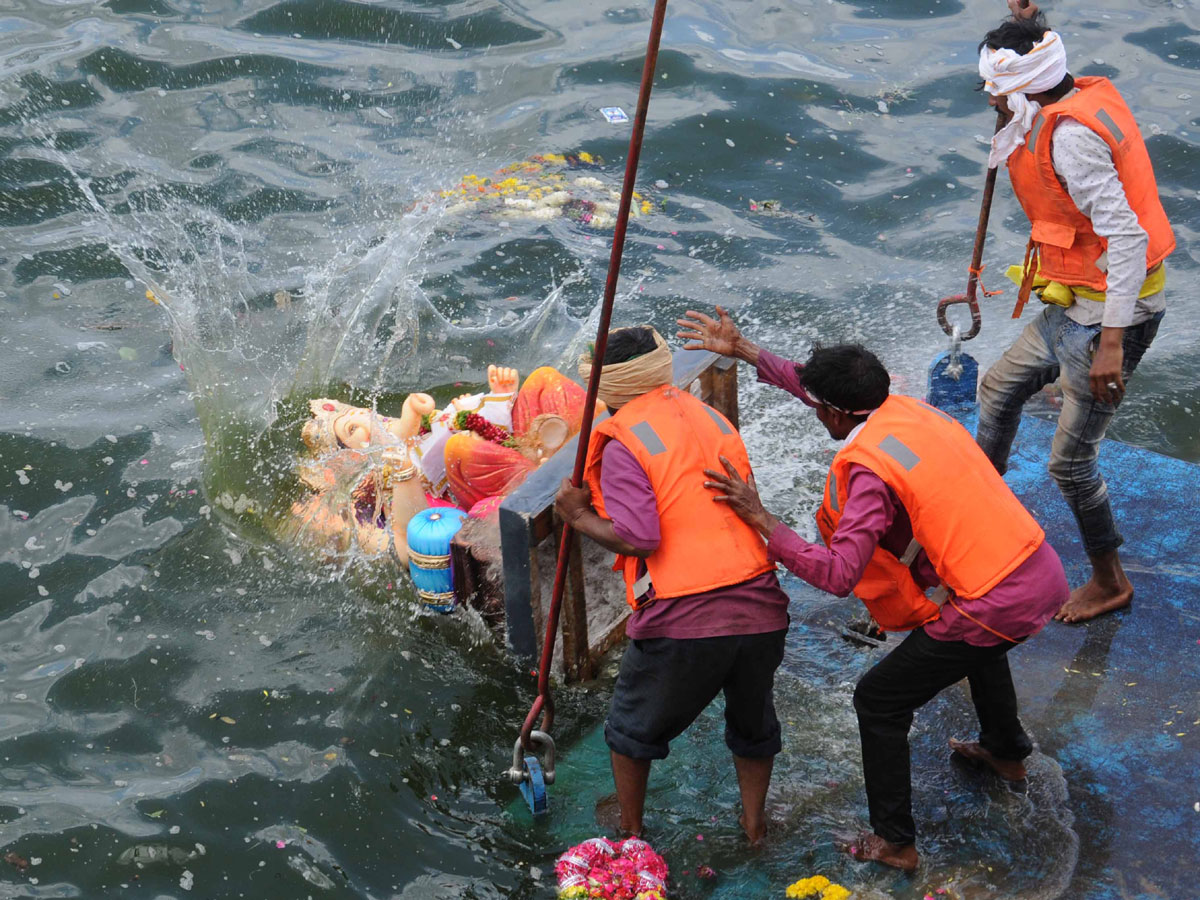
{"x": 544, "y": 704}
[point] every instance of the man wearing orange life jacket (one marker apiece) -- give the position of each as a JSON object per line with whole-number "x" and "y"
{"x": 1080, "y": 170}
{"x": 709, "y": 615}
{"x": 911, "y": 506}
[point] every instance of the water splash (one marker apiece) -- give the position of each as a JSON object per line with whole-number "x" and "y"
{"x": 257, "y": 335}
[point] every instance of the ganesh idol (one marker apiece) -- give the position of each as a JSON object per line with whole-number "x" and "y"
{"x": 369, "y": 473}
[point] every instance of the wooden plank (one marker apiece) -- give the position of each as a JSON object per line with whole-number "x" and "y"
{"x": 690, "y": 364}
{"x": 515, "y": 549}
{"x": 577, "y": 660}
{"x": 721, "y": 388}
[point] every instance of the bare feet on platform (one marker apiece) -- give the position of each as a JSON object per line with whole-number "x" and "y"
{"x": 869, "y": 847}
{"x": 608, "y": 814}
{"x": 978, "y": 756}
{"x": 756, "y": 832}
{"x": 1107, "y": 591}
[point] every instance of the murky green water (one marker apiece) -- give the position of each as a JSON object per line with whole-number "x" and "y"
{"x": 187, "y": 704}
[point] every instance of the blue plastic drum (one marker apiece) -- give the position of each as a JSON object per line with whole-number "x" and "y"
{"x": 429, "y": 534}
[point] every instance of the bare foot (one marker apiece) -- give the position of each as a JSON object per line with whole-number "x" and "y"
{"x": 608, "y": 815}
{"x": 868, "y": 847}
{"x": 978, "y": 756}
{"x": 754, "y": 835}
{"x": 1097, "y": 597}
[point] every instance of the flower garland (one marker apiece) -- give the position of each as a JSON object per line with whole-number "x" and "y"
{"x": 465, "y": 420}
{"x": 817, "y": 886}
{"x": 611, "y": 870}
{"x": 536, "y": 188}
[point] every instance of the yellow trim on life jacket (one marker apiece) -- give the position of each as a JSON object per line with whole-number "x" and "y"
{"x": 1063, "y": 295}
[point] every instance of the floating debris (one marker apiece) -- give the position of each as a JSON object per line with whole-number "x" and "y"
{"x": 540, "y": 188}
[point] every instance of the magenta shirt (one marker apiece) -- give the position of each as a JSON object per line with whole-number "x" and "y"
{"x": 752, "y": 607}
{"x": 1019, "y": 606}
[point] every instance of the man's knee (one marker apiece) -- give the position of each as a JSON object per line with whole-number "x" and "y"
{"x": 866, "y": 699}
{"x": 991, "y": 394}
{"x": 1077, "y": 476}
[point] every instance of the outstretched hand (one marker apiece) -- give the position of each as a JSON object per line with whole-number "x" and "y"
{"x": 742, "y": 497}
{"x": 720, "y": 335}
{"x": 1022, "y": 9}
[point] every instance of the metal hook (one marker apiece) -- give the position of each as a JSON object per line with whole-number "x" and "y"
{"x": 519, "y": 773}
{"x": 973, "y": 305}
{"x": 528, "y": 774}
{"x": 954, "y": 366}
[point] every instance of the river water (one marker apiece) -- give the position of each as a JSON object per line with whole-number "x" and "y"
{"x": 189, "y": 706}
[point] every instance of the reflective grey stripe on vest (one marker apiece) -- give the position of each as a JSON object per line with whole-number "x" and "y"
{"x": 641, "y": 585}
{"x": 645, "y": 433}
{"x": 893, "y": 447}
{"x": 1107, "y": 121}
{"x": 716, "y": 417}
{"x": 910, "y": 552}
{"x": 941, "y": 413}
{"x": 1031, "y": 142}
{"x": 833, "y": 500}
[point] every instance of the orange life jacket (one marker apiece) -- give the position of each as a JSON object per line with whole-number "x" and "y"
{"x": 972, "y": 527}
{"x": 1068, "y": 247}
{"x": 703, "y": 545}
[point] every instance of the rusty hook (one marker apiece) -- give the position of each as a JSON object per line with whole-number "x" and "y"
{"x": 976, "y": 316}
{"x": 985, "y": 211}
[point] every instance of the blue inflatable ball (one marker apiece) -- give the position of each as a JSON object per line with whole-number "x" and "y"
{"x": 429, "y": 535}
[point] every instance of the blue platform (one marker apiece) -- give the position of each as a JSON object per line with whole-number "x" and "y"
{"x": 1114, "y": 706}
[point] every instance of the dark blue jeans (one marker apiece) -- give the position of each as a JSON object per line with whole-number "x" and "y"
{"x": 900, "y": 684}
{"x": 1051, "y": 346}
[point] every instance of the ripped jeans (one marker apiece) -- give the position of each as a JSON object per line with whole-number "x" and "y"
{"x": 1053, "y": 345}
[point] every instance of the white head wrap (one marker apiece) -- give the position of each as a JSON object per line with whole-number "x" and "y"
{"x": 1006, "y": 73}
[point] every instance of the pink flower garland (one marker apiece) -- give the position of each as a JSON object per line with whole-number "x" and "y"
{"x": 611, "y": 870}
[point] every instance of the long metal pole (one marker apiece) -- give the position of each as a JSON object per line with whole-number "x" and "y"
{"x": 544, "y": 704}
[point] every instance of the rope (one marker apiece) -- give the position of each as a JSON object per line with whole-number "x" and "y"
{"x": 543, "y": 704}
{"x": 1029, "y": 270}
{"x": 978, "y": 273}
{"x": 963, "y": 612}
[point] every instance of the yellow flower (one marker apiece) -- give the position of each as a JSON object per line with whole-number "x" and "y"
{"x": 584, "y": 156}
{"x": 807, "y": 887}
{"x": 646, "y": 207}
{"x": 835, "y": 892}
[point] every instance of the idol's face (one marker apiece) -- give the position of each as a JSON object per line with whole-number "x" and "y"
{"x": 353, "y": 429}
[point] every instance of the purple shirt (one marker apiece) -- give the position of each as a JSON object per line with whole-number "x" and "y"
{"x": 752, "y": 607}
{"x": 1019, "y": 606}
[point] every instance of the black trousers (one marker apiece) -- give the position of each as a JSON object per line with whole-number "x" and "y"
{"x": 665, "y": 683}
{"x": 902, "y": 682}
